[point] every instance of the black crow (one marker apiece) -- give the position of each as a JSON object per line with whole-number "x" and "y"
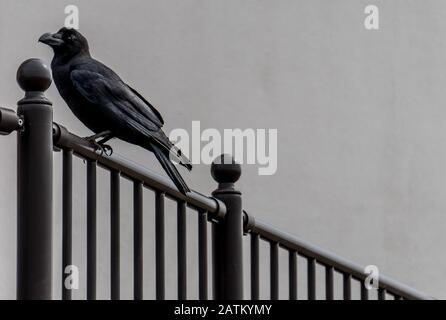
{"x": 107, "y": 105}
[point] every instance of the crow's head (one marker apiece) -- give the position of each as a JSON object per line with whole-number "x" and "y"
{"x": 67, "y": 42}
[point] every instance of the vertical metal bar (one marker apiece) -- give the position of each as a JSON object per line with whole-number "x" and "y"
{"x": 34, "y": 183}
{"x": 137, "y": 240}
{"x": 255, "y": 266}
{"x": 91, "y": 229}
{"x": 293, "y": 274}
{"x": 311, "y": 278}
{"x": 182, "y": 250}
{"x": 347, "y": 286}
{"x": 364, "y": 291}
{"x": 115, "y": 234}
{"x": 381, "y": 294}
{"x": 159, "y": 243}
{"x": 329, "y": 283}
{"x": 67, "y": 208}
{"x": 218, "y": 245}
{"x": 274, "y": 270}
{"x": 228, "y": 234}
{"x": 202, "y": 255}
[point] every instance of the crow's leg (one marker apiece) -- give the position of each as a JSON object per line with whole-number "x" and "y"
{"x": 107, "y": 148}
{"x": 103, "y": 148}
{"x": 100, "y": 145}
{"x": 98, "y": 135}
{"x": 105, "y": 139}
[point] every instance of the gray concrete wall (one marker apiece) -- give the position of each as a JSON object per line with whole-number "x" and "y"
{"x": 360, "y": 114}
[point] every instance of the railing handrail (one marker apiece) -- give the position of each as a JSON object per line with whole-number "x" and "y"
{"x": 327, "y": 258}
{"x": 33, "y": 121}
{"x": 64, "y": 139}
{"x": 217, "y": 210}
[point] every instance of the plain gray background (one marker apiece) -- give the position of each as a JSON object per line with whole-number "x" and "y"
{"x": 361, "y": 119}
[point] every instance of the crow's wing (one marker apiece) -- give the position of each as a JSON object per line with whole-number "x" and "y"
{"x": 116, "y": 95}
{"x": 118, "y": 101}
{"x": 147, "y": 104}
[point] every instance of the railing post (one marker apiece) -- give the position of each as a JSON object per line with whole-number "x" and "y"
{"x": 227, "y": 234}
{"x": 34, "y": 183}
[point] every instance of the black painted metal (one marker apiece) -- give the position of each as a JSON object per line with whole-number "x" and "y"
{"x": 293, "y": 274}
{"x": 290, "y": 242}
{"x": 34, "y": 184}
{"x": 182, "y": 250}
{"x": 64, "y": 139}
{"x": 381, "y": 294}
{"x": 160, "y": 250}
{"x": 311, "y": 263}
{"x": 91, "y": 229}
{"x": 347, "y": 286}
{"x": 255, "y": 272}
{"x": 67, "y": 228}
{"x": 329, "y": 283}
{"x": 9, "y": 121}
{"x": 218, "y": 280}
{"x": 115, "y": 234}
{"x": 137, "y": 240}
{"x": 364, "y": 291}
{"x": 37, "y": 135}
{"x": 228, "y": 244}
{"x": 202, "y": 256}
{"x": 274, "y": 270}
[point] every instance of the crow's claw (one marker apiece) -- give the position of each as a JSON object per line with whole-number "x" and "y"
{"x": 107, "y": 149}
{"x": 102, "y": 148}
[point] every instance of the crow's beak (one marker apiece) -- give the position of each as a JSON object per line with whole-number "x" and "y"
{"x": 51, "y": 39}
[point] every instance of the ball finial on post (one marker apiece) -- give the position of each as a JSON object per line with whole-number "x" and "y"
{"x": 34, "y": 183}
{"x": 34, "y": 75}
{"x": 224, "y": 169}
{"x": 228, "y": 233}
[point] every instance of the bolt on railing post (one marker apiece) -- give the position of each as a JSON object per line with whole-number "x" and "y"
{"x": 34, "y": 183}
{"x": 227, "y": 234}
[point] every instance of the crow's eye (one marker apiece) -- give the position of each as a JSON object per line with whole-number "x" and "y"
{"x": 71, "y": 37}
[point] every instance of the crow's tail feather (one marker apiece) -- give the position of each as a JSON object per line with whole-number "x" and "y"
{"x": 172, "y": 150}
{"x": 178, "y": 155}
{"x": 170, "y": 168}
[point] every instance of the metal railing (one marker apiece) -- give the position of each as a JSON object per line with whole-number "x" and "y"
{"x": 37, "y": 136}
{"x": 207, "y": 208}
{"x": 332, "y": 263}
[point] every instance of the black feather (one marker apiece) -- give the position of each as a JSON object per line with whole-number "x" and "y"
{"x": 103, "y": 102}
